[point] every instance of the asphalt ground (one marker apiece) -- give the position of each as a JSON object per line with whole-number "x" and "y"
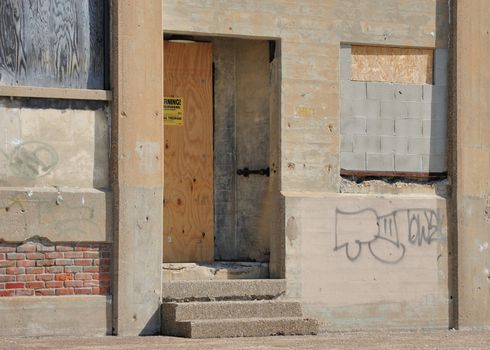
{"x": 362, "y": 340}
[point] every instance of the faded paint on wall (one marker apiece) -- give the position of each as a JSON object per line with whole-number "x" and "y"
{"x": 54, "y": 147}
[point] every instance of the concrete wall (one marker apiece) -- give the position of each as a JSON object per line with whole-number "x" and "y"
{"x": 379, "y": 289}
{"x": 310, "y": 34}
{"x": 54, "y": 145}
{"x": 369, "y": 261}
{"x": 54, "y": 171}
{"x": 393, "y": 127}
{"x": 137, "y": 138}
{"x": 60, "y": 316}
{"x": 55, "y": 195}
{"x": 397, "y": 278}
{"x": 57, "y": 209}
{"x": 471, "y": 162}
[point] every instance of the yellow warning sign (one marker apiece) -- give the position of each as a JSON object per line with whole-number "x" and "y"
{"x": 173, "y": 111}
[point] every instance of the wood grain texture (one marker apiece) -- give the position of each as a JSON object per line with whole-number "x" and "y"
{"x": 392, "y": 64}
{"x": 188, "y": 233}
{"x": 52, "y": 43}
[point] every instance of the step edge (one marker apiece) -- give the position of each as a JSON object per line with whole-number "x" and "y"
{"x": 296, "y": 326}
{"x": 216, "y": 310}
{"x": 250, "y": 319}
{"x": 221, "y": 317}
{"x": 231, "y": 281}
{"x": 231, "y": 302}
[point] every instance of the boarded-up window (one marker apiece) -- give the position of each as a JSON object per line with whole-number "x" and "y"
{"x": 52, "y": 43}
{"x": 392, "y": 64}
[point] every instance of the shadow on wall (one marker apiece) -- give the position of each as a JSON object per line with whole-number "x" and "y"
{"x": 149, "y": 328}
{"x": 441, "y": 139}
{"x": 436, "y": 127}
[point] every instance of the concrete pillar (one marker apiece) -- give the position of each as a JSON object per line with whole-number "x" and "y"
{"x": 137, "y": 164}
{"x": 471, "y": 160}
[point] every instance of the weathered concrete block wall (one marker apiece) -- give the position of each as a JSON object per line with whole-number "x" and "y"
{"x": 344, "y": 294}
{"x": 76, "y": 315}
{"x": 393, "y": 127}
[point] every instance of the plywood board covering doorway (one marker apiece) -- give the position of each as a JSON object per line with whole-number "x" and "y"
{"x": 188, "y": 232}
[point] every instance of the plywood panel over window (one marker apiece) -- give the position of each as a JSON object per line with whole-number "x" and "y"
{"x": 52, "y": 43}
{"x": 392, "y": 64}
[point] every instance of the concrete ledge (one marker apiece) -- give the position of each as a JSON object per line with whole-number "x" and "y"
{"x": 55, "y": 316}
{"x": 221, "y": 270}
{"x": 249, "y": 327}
{"x": 364, "y": 196}
{"x": 61, "y": 215}
{"x": 57, "y": 93}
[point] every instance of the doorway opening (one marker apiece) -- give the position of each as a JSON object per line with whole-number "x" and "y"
{"x": 223, "y": 214}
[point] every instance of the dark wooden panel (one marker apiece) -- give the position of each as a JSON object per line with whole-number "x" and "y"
{"x": 52, "y": 43}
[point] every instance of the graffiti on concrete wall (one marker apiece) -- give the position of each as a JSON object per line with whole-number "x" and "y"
{"x": 30, "y": 160}
{"x": 385, "y": 237}
{"x": 20, "y": 156}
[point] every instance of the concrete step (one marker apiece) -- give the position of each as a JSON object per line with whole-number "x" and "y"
{"x": 230, "y": 309}
{"x": 218, "y": 270}
{"x": 248, "y": 327}
{"x": 223, "y": 290}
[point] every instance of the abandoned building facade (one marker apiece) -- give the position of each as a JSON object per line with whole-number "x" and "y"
{"x": 193, "y": 167}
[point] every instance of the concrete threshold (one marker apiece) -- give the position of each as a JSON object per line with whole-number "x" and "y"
{"x": 219, "y": 270}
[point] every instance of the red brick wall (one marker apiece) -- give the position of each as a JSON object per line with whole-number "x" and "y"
{"x": 35, "y": 268}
